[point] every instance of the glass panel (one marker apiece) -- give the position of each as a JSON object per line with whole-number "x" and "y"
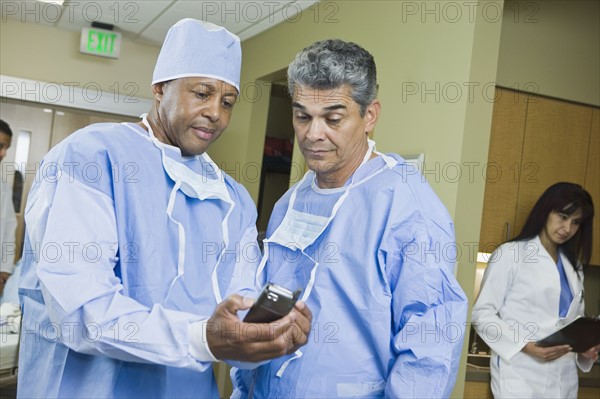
{"x": 22, "y": 149}
{"x": 69, "y": 121}
{"x": 41, "y": 128}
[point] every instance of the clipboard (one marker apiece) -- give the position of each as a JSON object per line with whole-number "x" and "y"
{"x": 581, "y": 334}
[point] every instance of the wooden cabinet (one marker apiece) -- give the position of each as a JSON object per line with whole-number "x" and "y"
{"x": 536, "y": 142}
{"x": 477, "y": 390}
{"x": 502, "y": 183}
{"x": 592, "y": 181}
{"x": 555, "y": 148}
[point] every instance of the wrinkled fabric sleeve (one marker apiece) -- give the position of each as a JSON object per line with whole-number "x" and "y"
{"x": 244, "y": 274}
{"x": 73, "y": 228}
{"x": 497, "y": 280}
{"x": 429, "y": 314}
{"x": 8, "y": 227}
{"x": 243, "y": 279}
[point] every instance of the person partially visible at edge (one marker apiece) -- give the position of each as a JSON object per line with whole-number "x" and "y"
{"x": 8, "y": 218}
{"x": 366, "y": 239}
{"x": 532, "y": 285}
{"x": 137, "y": 301}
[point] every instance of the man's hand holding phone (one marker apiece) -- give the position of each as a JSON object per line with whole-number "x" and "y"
{"x": 272, "y": 304}
{"x": 255, "y": 339}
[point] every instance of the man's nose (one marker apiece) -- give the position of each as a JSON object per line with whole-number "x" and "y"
{"x": 315, "y": 131}
{"x": 212, "y": 110}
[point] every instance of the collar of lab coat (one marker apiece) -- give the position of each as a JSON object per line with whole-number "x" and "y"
{"x": 574, "y": 278}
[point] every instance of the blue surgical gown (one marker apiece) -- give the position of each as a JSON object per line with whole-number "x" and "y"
{"x": 100, "y": 255}
{"x": 388, "y": 313}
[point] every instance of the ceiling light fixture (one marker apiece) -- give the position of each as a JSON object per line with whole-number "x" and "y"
{"x": 57, "y": 2}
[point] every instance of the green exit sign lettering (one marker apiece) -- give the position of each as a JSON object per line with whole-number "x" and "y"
{"x": 100, "y": 42}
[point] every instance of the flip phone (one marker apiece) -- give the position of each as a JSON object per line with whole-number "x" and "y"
{"x": 272, "y": 304}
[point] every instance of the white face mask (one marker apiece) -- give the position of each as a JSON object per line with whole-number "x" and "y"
{"x": 298, "y": 229}
{"x": 198, "y": 186}
{"x": 195, "y": 185}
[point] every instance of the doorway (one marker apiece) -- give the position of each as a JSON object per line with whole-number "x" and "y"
{"x": 277, "y": 154}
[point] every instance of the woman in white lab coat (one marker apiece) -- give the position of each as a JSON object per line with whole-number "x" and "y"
{"x": 532, "y": 285}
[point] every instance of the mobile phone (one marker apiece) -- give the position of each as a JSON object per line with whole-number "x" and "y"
{"x": 272, "y": 304}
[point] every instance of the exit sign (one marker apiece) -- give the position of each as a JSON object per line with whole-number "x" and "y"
{"x": 100, "y": 42}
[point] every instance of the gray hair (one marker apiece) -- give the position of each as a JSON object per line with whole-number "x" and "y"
{"x": 332, "y": 63}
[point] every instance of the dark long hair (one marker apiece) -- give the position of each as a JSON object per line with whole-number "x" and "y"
{"x": 566, "y": 198}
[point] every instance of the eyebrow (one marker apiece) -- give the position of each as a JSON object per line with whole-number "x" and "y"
{"x": 212, "y": 88}
{"x": 204, "y": 86}
{"x": 334, "y": 107}
{"x": 328, "y": 109}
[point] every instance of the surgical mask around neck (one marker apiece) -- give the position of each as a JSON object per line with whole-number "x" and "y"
{"x": 298, "y": 230}
{"x": 194, "y": 185}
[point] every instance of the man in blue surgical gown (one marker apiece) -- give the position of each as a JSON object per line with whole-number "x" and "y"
{"x": 369, "y": 243}
{"x": 135, "y": 237}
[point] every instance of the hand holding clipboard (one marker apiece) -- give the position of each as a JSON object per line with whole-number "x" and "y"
{"x": 581, "y": 334}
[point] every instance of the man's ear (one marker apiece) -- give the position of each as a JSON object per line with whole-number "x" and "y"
{"x": 158, "y": 90}
{"x": 372, "y": 115}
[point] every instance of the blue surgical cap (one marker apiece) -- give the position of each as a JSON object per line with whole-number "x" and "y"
{"x": 196, "y": 48}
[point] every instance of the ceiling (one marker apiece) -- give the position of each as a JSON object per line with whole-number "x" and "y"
{"x": 147, "y": 21}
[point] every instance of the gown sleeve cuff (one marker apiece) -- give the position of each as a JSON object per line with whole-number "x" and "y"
{"x": 198, "y": 342}
{"x": 7, "y": 268}
{"x": 584, "y": 364}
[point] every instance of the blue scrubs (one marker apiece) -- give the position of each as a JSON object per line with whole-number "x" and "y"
{"x": 100, "y": 256}
{"x": 388, "y": 314}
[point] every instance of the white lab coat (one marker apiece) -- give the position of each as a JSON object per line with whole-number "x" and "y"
{"x": 519, "y": 303}
{"x": 8, "y": 226}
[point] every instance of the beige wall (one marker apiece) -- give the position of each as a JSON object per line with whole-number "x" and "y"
{"x": 552, "y": 47}
{"x": 43, "y": 53}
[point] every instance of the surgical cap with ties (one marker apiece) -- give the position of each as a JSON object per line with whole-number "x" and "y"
{"x": 194, "y": 48}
